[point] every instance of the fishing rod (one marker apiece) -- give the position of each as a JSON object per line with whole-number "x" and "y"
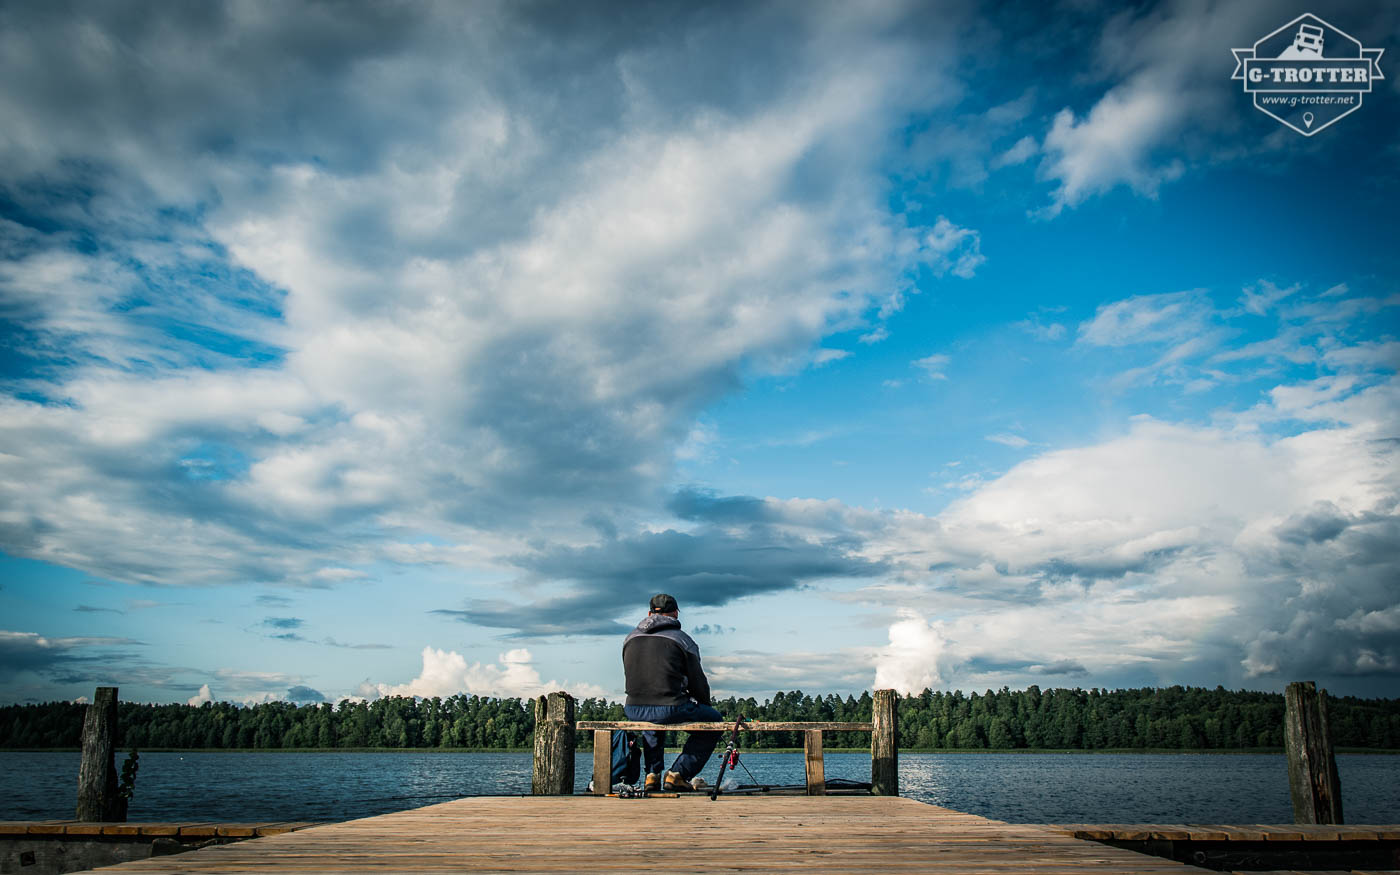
{"x": 730, "y": 760}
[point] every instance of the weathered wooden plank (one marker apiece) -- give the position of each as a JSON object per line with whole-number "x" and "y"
{"x": 815, "y": 767}
{"x": 276, "y": 829}
{"x": 755, "y": 726}
{"x": 785, "y": 863}
{"x": 1235, "y": 833}
{"x": 1092, "y": 833}
{"x": 543, "y": 858}
{"x": 1319, "y": 833}
{"x": 1171, "y": 832}
{"x": 602, "y": 762}
{"x": 49, "y": 827}
{"x": 1204, "y": 833}
{"x": 1129, "y": 833}
{"x": 1274, "y": 833}
{"x": 1210, "y": 832}
{"x": 16, "y": 828}
{"x": 1357, "y": 834}
{"x": 255, "y": 851}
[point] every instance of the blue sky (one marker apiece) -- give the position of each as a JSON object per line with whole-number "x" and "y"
{"x": 352, "y": 351}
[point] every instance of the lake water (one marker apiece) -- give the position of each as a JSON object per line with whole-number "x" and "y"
{"x": 1022, "y": 787}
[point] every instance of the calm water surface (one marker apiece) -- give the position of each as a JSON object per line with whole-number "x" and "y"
{"x": 1024, "y": 788}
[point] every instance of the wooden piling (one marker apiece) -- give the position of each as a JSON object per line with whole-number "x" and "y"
{"x": 554, "y": 746}
{"x": 816, "y": 768}
{"x": 1312, "y": 767}
{"x": 602, "y": 762}
{"x": 884, "y": 744}
{"x": 97, "y": 774}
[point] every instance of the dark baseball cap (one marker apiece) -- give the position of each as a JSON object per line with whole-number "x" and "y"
{"x": 663, "y": 604}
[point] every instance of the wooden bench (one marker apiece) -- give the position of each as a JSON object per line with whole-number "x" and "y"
{"x": 811, "y": 736}
{"x": 555, "y": 728}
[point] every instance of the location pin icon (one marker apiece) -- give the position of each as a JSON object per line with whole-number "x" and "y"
{"x": 1308, "y": 119}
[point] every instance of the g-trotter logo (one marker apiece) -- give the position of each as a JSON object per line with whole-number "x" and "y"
{"x": 1307, "y": 74}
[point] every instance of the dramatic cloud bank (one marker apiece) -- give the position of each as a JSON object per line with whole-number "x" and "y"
{"x": 447, "y": 673}
{"x": 339, "y": 320}
{"x": 1263, "y": 545}
{"x": 442, "y": 315}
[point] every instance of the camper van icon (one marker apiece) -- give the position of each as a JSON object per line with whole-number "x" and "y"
{"x": 1307, "y": 43}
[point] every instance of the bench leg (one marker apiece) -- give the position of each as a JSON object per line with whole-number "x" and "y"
{"x": 816, "y": 769}
{"x": 602, "y": 762}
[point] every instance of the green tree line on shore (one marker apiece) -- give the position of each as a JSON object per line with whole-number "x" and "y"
{"x": 1182, "y": 718}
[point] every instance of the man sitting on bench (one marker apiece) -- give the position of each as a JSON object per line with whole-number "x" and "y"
{"x": 665, "y": 684}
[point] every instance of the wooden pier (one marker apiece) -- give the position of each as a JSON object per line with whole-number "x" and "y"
{"x": 689, "y": 834}
{"x": 555, "y": 832}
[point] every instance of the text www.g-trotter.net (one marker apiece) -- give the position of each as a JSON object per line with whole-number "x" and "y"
{"x": 1291, "y": 100}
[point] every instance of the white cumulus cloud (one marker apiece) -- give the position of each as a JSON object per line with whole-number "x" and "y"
{"x": 912, "y": 660}
{"x": 1164, "y": 101}
{"x": 447, "y": 673}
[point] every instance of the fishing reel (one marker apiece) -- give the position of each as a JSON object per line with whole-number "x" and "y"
{"x": 730, "y": 760}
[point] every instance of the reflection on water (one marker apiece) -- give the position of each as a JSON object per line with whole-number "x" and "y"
{"x": 1128, "y": 788}
{"x": 1026, "y": 788}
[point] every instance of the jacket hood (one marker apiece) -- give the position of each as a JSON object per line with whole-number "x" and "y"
{"x": 657, "y": 623}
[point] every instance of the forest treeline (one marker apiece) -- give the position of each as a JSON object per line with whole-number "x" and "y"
{"x": 1173, "y": 718}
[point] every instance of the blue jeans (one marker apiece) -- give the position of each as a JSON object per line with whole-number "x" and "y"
{"x": 698, "y": 746}
{"x": 626, "y": 758}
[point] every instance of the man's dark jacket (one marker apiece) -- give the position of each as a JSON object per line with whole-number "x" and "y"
{"x": 662, "y": 664}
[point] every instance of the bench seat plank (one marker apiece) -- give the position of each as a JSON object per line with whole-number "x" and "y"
{"x": 765, "y": 726}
